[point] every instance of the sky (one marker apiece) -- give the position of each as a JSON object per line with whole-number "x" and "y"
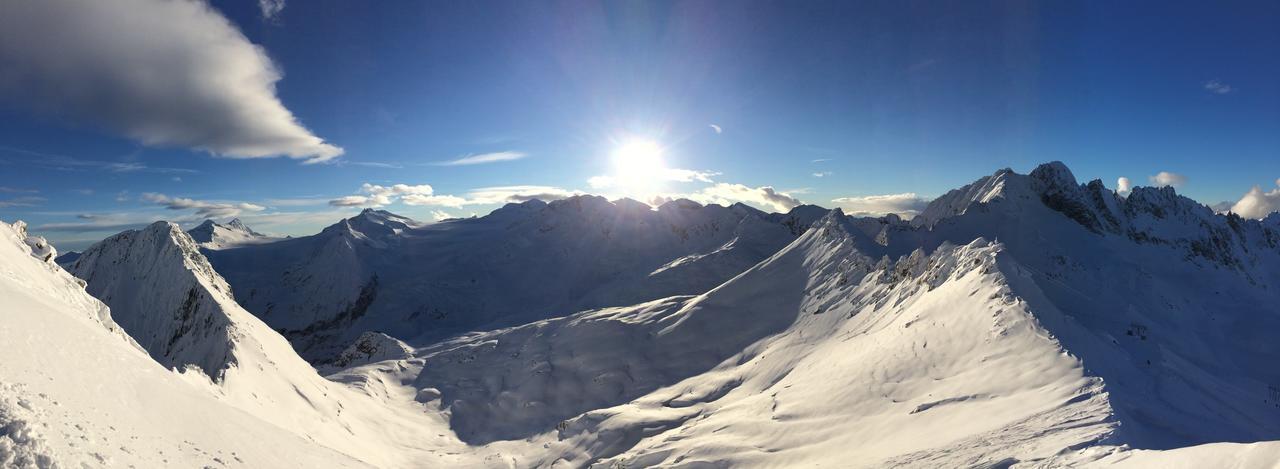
{"x": 292, "y": 115}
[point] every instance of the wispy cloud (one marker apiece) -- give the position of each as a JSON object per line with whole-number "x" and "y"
{"x": 820, "y": 160}
{"x": 716, "y": 128}
{"x": 164, "y": 73}
{"x": 202, "y": 208}
{"x": 822, "y": 174}
{"x": 1217, "y": 87}
{"x": 25, "y": 201}
{"x": 1165, "y": 178}
{"x": 484, "y": 158}
{"x": 67, "y": 163}
{"x": 907, "y": 205}
{"x": 16, "y": 190}
{"x": 270, "y": 8}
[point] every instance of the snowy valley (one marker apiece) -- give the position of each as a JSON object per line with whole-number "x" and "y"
{"x": 1024, "y": 320}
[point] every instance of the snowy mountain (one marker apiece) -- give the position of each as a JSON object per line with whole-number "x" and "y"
{"x": 382, "y": 272}
{"x": 212, "y": 235}
{"x": 164, "y": 293}
{"x": 1019, "y": 319}
{"x": 1024, "y": 320}
{"x": 76, "y": 392}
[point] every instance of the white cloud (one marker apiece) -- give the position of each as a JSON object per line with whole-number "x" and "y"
{"x": 372, "y": 195}
{"x": 484, "y": 158}
{"x": 665, "y": 175}
{"x": 16, "y": 190}
{"x": 1124, "y": 185}
{"x": 1165, "y": 178}
{"x": 726, "y": 194}
{"x": 270, "y": 8}
{"x": 717, "y": 129}
{"x": 822, "y": 174}
{"x": 1217, "y": 87}
{"x": 202, "y": 208}
{"x": 166, "y": 73}
{"x": 24, "y": 201}
{"x": 820, "y": 160}
{"x": 906, "y": 205}
{"x": 1258, "y": 204}
{"x": 440, "y": 215}
{"x": 376, "y": 195}
{"x": 507, "y": 194}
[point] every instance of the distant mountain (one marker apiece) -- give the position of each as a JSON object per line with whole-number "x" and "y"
{"x": 211, "y": 235}
{"x": 381, "y": 272}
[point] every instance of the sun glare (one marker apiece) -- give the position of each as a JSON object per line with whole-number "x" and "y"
{"x": 638, "y": 165}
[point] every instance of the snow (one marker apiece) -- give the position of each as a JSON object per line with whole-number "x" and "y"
{"x": 524, "y": 262}
{"x": 1019, "y": 321}
{"x": 212, "y": 235}
{"x": 74, "y": 391}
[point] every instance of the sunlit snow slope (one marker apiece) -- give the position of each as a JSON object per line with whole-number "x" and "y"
{"x": 75, "y": 392}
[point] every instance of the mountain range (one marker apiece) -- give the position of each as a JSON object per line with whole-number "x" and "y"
{"x": 1023, "y": 320}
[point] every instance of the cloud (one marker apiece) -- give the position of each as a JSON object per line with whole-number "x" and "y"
{"x": 517, "y": 194}
{"x": 202, "y": 208}
{"x": 440, "y": 215}
{"x": 376, "y": 195}
{"x": 67, "y": 163}
{"x": 372, "y": 195}
{"x": 484, "y": 158}
{"x": 1165, "y": 178}
{"x": 727, "y": 194}
{"x": 166, "y": 73}
{"x": 822, "y": 174}
{"x": 907, "y": 205}
{"x": 1217, "y": 87}
{"x": 16, "y": 190}
{"x": 717, "y": 129}
{"x": 1123, "y": 185}
{"x": 1258, "y": 204}
{"x": 25, "y": 201}
{"x": 666, "y": 175}
{"x": 820, "y": 160}
{"x": 270, "y": 8}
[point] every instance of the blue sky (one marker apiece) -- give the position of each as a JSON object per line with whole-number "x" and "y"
{"x": 825, "y": 103}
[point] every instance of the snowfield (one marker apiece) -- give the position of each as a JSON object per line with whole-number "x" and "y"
{"x": 1025, "y": 320}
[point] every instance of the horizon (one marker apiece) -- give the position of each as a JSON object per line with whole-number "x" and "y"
{"x": 301, "y": 114}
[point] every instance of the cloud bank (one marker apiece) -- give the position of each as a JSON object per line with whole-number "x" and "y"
{"x": 166, "y": 73}
{"x": 1258, "y": 204}
{"x": 202, "y": 208}
{"x": 373, "y": 195}
{"x": 906, "y": 205}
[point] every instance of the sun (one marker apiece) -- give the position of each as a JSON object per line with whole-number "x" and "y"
{"x": 638, "y": 165}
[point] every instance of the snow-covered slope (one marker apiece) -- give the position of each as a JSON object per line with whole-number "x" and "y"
{"x": 523, "y": 262}
{"x": 165, "y": 294}
{"x": 212, "y": 235}
{"x": 1017, "y": 320}
{"x": 76, "y": 392}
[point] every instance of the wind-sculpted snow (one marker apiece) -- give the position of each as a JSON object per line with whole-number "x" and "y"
{"x": 524, "y": 262}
